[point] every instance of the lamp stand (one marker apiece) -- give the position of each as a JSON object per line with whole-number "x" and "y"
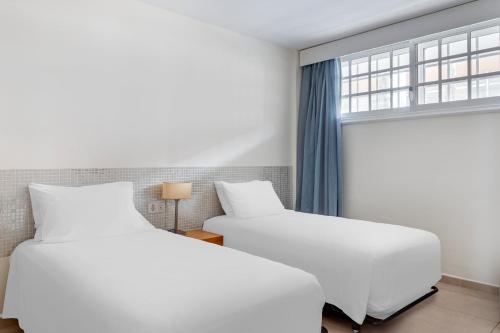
{"x": 175, "y": 230}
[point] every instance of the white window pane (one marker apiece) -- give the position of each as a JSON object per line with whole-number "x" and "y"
{"x": 345, "y": 87}
{"x": 428, "y": 72}
{"x": 428, "y": 94}
{"x": 359, "y": 103}
{"x": 485, "y": 62}
{"x": 454, "y": 45}
{"x": 400, "y": 98}
{"x": 381, "y": 101}
{"x": 344, "y": 68}
{"x": 359, "y": 66}
{"x": 380, "y": 61}
{"x": 485, "y": 38}
{"x": 359, "y": 84}
{"x": 344, "y": 105}
{"x": 454, "y": 68}
{"x": 401, "y": 78}
{"x": 454, "y": 91}
{"x": 428, "y": 50}
{"x": 401, "y": 57}
{"x": 486, "y": 87}
{"x": 381, "y": 81}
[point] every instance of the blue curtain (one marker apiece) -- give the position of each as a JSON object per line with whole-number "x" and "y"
{"x": 319, "y": 174}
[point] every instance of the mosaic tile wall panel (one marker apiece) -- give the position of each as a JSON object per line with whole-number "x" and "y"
{"x": 16, "y": 219}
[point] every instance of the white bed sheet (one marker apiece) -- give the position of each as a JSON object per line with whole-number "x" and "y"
{"x": 363, "y": 267}
{"x": 155, "y": 281}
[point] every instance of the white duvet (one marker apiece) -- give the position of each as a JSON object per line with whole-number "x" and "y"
{"x": 363, "y": 267}
{"x": 156, "y": 282}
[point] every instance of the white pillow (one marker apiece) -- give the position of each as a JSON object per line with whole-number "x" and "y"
{"x": 74, "y": 213}
{"x": 224, "y": 202}
{"x": 252, "y": 199}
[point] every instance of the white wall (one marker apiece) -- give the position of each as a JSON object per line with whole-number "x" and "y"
{"x": 440, "y": 174}
{"x": 455, "y": 17}
{"x": 120, "y": 83}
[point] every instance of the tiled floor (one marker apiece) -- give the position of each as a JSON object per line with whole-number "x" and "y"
{"x": 452, "y": 310}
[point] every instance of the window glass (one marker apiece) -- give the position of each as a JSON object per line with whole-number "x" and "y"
{"x": 401, "y": 78}
{"x": 345, "y": 68}
{"x": 454, "y": 91}
{"x": 359, "y": 84}
{"x": 454, "y": 68}
{"x": 485, "y": 38}
{"x": 359, "y": 103}
{"x": 428, "y": 94}
{"x": 488, "y": 62}
{"x": 380, "y": 61}
{"x": 428, "y": 72}
{"x": 359, "y": 66}
{"x": 459, "y": 65}
{"x": 381, "y": 81}
{"x": 401, "y": 57}
{"x": 428, "y": 51}
{"x": 345, "y": 87}
{"x": 345, "y": 105}
{"x": 484, "y": 87}
{"x": 381, "y": 101}
{"x": 454, "y": 45}
{"x": 400, "y": 98}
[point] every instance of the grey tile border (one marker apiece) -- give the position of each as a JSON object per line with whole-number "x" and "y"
{"x": 16, "y": 220}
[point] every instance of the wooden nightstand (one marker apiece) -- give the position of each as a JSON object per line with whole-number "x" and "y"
{"x": 206, "y": 236}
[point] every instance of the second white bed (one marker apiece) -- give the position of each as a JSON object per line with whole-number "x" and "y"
{"x": 363, "y": 267}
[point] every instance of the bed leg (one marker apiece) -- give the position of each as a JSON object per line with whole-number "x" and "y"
{"x": 356, "y": 328}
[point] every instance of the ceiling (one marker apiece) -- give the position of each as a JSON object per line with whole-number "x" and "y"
{"x": 299, "y": 24}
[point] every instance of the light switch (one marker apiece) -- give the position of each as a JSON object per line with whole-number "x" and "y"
{"x": 156, "y": 207}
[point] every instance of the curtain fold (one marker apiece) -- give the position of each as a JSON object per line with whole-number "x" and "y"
{"x": 319, "y": 182}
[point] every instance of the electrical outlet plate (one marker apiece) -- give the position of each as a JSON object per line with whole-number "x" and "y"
{"x": 156, "y": 207}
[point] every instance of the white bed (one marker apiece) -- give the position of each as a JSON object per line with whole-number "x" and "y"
{"x": 155, "y": 281}
{"x": 363, "y": 267}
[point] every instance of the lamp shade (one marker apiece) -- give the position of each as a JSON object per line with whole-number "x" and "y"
{"x": 172, "y": 191}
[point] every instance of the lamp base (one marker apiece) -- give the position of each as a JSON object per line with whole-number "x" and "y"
{"x": 177, "y": 231}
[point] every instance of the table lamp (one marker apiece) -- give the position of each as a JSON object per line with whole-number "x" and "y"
{"x": 176, "y": 191}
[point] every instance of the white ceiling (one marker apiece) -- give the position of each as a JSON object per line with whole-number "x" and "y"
{"x": 299, "y": 24}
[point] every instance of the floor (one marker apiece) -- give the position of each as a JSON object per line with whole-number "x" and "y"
{"x": 453, "y": 309}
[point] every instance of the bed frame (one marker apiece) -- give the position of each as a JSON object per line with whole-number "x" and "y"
{"x": 356, "y": 328}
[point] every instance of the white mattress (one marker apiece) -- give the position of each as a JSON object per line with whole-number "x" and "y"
{"x": 155, "y": 281}
{"x": 363, "y": 267}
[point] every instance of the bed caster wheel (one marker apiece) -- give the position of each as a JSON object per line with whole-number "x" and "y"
{"x": 323, "y": 329}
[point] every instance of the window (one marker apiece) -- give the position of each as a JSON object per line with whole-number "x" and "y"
{"x": 377, "y": 82}
{"x": 442, "y": 71}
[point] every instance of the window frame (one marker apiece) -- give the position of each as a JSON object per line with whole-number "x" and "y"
{"x": 487, "y": 104}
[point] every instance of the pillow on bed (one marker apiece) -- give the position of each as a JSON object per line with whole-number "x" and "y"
{"x": 73, "y": 213}
{"x": 252, "y": 199}
{"x": 224, "y": 202}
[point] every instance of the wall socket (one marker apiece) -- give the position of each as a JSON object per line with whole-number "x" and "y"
{"x": 156, "y": 207}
